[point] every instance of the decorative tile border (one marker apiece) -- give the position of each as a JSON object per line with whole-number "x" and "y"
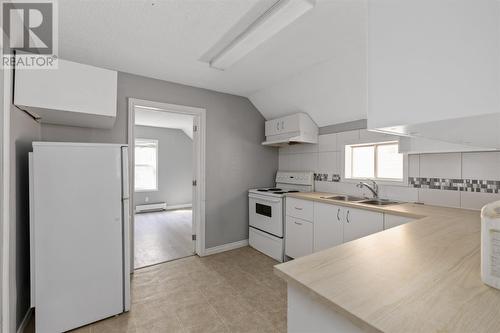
{"x": 465, "y": 185}
{"x": 325, "y": 177}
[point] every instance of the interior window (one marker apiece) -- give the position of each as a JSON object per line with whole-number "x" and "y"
{"x": 146, "y": 165}
{"x": 375, "y": 161}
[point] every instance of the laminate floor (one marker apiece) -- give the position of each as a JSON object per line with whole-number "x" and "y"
{"x": 234, "y": 291}
{"x": 162, "y": 236}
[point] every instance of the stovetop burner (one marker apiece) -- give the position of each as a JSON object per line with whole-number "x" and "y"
{"x": 268, "y": 189}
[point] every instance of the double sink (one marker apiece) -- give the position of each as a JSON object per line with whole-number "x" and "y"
{"x": 351, "y": 198}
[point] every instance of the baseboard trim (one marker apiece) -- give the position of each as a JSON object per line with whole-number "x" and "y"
{"x": 225, "y": 247}
{"x": 173, "y": 207}
{"x": 25, "y": 321}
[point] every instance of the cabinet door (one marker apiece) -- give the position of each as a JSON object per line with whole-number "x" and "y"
{"x": 391, "y": 221}
{"x": 298, "y": 237}
{"x": 327, "y": 226}
{"x": 359, "y": 223}
{"x": 273, "y": 127}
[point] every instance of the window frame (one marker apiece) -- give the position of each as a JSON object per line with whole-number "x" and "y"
{"x": 347, "y": 161}
{"x": 156, "y": 143}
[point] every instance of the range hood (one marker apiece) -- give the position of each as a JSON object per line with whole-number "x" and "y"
{"x": 292, "y": 129}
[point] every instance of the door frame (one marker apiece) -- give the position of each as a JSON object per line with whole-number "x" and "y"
{"x": 199, "y": 141}
{"x": 6, "y": 87}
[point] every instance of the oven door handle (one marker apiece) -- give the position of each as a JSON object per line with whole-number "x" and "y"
{"x": 268, "y": 199}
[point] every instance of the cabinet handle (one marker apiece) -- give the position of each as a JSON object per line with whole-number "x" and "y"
{"x": 298, "y": 208}
{"x": 283, "y": 125}
{"x": 338, "y": 212}
{"x": 277, "y": 125}
{"x": 297, "y": 223}
{"x": 347, "y": 217}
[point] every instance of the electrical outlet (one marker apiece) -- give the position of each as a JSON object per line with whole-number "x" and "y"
{"x": 146, "y": 199}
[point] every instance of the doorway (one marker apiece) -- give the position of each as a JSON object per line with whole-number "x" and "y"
{"x": 167, "y": 180}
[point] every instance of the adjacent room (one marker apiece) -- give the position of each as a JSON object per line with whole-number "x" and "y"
{"x": 163, "y": 169}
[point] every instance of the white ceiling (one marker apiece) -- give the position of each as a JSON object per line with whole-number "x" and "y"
{"x": 154, "y": 118}
{"x": 315, "y": 65}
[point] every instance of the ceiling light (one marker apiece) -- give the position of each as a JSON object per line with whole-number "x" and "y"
{"x": 281, "y": 14}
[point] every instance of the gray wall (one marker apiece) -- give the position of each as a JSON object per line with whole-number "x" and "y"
{"x": 235, "y": 159}
{"x": 175, "y": 160}
{"x": 24, "y": 130}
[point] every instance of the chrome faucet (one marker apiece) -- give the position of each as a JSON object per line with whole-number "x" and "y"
{"x": 373, "y": 188}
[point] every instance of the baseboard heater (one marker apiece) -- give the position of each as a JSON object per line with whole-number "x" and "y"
{"x": 151, "y": 207}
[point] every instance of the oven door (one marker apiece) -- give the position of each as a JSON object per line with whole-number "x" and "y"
{"x": 266, "y": 213}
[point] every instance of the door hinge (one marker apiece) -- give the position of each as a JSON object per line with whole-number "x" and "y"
{"x": 193, "y": 237}
{"x": 195, "y": 128}
{"x": 195, "y": 183}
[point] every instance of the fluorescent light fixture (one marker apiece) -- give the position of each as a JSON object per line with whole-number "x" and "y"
{"x": 281, "y": 14}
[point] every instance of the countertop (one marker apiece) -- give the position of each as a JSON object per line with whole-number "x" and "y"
{"x": 423, "y": 276}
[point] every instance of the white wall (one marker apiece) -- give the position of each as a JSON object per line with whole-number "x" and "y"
{"x": 326, "y": 157}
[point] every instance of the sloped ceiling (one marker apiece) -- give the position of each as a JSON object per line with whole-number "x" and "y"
{"x": 153, "y": 118}
{"x": 315, "y": 65}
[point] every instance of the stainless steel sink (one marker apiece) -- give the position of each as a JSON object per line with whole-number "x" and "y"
{"x": 343, "y": 198}
{"x": 379, "y": 202}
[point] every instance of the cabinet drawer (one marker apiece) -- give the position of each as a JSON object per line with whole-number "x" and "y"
{"x": 298, "y": 237}
{"x": 391, "y": 221}
{"x": 301, "y": 209}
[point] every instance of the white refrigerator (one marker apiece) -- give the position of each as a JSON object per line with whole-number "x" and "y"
{"x": 79, "y": 231}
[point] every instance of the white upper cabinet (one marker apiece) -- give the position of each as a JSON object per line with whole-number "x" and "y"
{"x": 73, "y": 94}
{"x": 296, "y": 128}
{"x": 434, "y": 69}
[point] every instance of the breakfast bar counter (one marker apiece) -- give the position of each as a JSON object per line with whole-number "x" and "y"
{"x": 423, "y": 276}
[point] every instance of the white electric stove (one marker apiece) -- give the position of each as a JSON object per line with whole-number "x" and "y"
{"x": 267, "y": 211}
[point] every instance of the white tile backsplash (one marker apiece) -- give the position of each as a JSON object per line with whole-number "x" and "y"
{"x": 413, "y": 165}
{"x": 327, "y": 156}
{"x": 484, "y": 165}
{"x": 328, "y": 162}
{"x": 447, "y": 165}
{"x": 347, "y": 138}
{"x": 439, "y": 197}
{"x": 401, "y": 193}
{"x": 308, "y": 161}
{"x": 472, "y": 200}
{"x": 327, "y": 142}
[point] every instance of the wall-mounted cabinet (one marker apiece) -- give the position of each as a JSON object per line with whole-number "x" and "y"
{"x": 73, "y": 94}
{"x": 434, "y": 70}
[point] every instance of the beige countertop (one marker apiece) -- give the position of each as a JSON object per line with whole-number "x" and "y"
{"x": 423, "y": 276}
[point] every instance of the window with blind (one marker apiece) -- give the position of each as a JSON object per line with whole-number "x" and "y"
{"x": 146, "y": 165}
{"x": 379, "y": 161}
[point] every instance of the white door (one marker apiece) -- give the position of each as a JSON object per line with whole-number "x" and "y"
{"x": 328, "y": 226}
{"x": 78, "y": 235}
{"x": 360, "y": 223}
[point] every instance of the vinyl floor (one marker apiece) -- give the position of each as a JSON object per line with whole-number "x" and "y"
{"x": 234, "y": 291}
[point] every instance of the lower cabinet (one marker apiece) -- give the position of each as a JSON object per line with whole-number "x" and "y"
{"x": 328, "y": 226}
{"x": 360, "y": 223}
{"x": 298, "y": 237}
